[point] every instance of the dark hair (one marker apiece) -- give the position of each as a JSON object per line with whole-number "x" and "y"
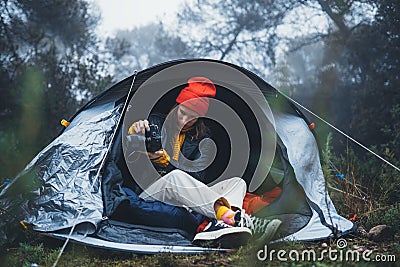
{"x": 200, "y": 127}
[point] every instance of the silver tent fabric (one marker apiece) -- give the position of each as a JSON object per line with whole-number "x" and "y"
{"x": 68, "y": 171}
{"x": 303, "y": 155}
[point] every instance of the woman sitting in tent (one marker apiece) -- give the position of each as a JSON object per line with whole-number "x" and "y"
{"x": 184, "y": 169}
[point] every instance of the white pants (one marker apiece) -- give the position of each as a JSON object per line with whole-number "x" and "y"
{"x": 180, "y": 189}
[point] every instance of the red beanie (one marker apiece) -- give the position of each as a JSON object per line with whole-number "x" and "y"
{"x": 198, "y": 91}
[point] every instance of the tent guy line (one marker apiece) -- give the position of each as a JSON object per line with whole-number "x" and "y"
{"x": 341, "y": 132}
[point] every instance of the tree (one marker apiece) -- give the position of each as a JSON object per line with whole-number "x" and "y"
{"x": 232, "y": 30}
{"x": 251, "y": 33}
{"x": 47, "y": 71}
{"x": 374, "y": 66}
{"x": 356, "y": 76}
{"x": 143, "y": 47}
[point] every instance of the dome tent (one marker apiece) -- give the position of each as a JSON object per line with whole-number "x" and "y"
{"x": 75, "y": 182}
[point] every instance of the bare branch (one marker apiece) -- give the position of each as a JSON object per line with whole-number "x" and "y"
{"x": 338, "y": 20}
{"x": 231, "y": 43}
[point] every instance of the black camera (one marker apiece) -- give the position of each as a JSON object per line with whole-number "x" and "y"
{"x": 153, "y": 138}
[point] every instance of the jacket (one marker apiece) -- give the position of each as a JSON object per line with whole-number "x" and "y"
{"x": 193, "y": 161}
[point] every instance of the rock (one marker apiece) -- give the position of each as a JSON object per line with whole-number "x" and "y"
{"x": 381, "y": 233}
{"x": 324, "y": 245}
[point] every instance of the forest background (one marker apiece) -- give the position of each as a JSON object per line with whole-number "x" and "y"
{"x": 339, "y": 58}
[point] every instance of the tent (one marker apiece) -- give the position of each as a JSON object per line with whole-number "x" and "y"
{"x": 72, "y": 188}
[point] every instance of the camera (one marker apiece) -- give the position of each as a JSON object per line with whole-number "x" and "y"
{"x": 153, "y": 138}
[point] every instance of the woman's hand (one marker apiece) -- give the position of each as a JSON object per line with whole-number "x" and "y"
{"x": 155, "y": 155}
{"x": 139, "y": 127}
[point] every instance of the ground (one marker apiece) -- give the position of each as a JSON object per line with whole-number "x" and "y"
{"x": 44, "y": 251}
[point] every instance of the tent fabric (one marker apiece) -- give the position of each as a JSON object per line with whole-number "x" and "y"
{"x": 67, "y": 169}
{"x": 138, "y": 248}
{"x": 304, "y": 158}
{"x": 64, "y": 185}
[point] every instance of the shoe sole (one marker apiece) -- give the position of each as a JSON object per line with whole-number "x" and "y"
{"x": 234, "y": 238}
{"x": 271, "y": 230}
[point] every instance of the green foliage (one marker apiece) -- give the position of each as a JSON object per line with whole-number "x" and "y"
{"x": 373, "y": 67}
{"x": 388, "y": 215}
{"x": 397, "y": 249}
{"x": 327, "y": 155}
{"x": 370, "y": 188}
{"x": 367, "y": 183}
{"x": 47, "y": 73}
{"x": 392, "y": 133}
{"x": 28, "y": 254}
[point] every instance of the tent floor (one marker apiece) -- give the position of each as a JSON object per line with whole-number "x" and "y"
{"x": 134, "y": 248}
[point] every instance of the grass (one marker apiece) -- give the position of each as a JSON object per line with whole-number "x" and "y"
{"x": 44, "y": 251}
{"x": 364, "y": 188}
